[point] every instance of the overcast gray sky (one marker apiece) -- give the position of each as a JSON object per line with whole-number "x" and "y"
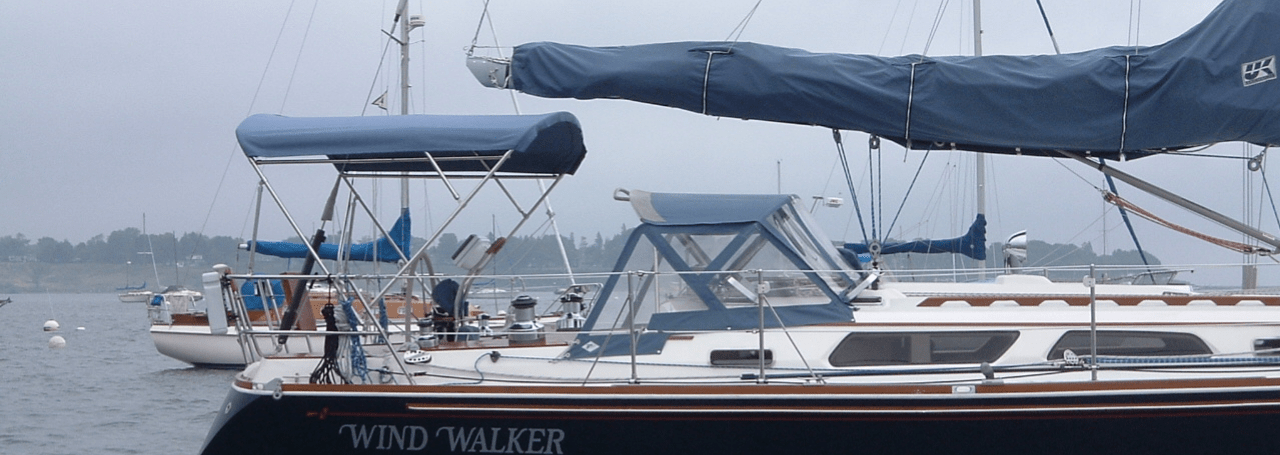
{"x": 109, "y": 110}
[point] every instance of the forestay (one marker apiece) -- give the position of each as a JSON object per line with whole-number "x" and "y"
{"x": 1214, "y": 83}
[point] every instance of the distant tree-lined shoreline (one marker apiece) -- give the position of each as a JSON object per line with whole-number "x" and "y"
{"x": 124, "y": 258}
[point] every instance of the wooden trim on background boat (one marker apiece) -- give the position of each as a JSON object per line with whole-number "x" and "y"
{"x": 189, "y": 319}
{"x": 202, "y": 319}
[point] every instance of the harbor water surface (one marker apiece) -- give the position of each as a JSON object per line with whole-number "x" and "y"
{"x": 107, "y": 391}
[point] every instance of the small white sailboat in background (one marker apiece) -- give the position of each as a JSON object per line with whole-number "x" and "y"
{"x": 175, "y": 292}
{"x": 140, "y": 294}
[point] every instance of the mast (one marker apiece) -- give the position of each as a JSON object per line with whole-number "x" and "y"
{"x": 151, "y": 251}
{"x": 981, "y": 160}
{"x": 402, "y": 19}
{"x": 406, "y": 24}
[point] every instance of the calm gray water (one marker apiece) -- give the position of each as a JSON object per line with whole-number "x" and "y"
{"x": 107, "y": 392}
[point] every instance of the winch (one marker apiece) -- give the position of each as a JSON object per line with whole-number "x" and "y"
{"x": 525, "y": 328}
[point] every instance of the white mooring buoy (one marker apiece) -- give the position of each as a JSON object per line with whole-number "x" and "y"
{"x": 51, "y": 325}
{"x": 57, "y": 342}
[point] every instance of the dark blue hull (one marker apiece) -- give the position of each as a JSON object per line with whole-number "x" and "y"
{"x": 656, "y": 420}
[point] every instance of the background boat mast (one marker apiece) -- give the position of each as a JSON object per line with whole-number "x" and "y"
{"x": 981, "y": 160}
{"x": 406, "y": 24}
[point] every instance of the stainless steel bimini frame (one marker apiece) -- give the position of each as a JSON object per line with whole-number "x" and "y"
{"x": 450, "y": 149}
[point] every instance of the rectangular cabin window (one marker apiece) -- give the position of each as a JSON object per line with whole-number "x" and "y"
{"x": 1266, "y": 347}
{"x": 906, "y": 348}
{"x": 1130, "y": 344}
{"x": 740, "y": 357}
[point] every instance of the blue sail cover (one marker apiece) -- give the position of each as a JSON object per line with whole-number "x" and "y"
{"x": 973, "y": 244}
{"x": 548, "y": 143}
{"x": 380, "y": 250}
{"x": 253, "y": 301}
{"x": 1214, "y": 83}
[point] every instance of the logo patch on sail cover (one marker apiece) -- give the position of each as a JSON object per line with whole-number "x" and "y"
{"x": 1258, "y": 71}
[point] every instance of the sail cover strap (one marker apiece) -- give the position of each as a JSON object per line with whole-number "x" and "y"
{"x": 911, "y": 93}
{"x": 706, "y": 77}
{"x": 1124, "y": 114}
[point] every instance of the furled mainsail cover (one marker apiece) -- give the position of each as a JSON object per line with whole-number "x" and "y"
{"x": 1215, "y": 83}
{"x": 380, "y": 250}
{"x": 973, "y": 244}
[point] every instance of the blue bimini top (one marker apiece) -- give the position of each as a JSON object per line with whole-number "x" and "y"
{"x": 543, "y": 144}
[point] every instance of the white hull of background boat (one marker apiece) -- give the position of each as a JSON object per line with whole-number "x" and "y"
{"x": 195, "y": 345}
{"x": 198, "y": 346}
{"x": 180, "y": 328}
{"x": 136, "y": 296}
